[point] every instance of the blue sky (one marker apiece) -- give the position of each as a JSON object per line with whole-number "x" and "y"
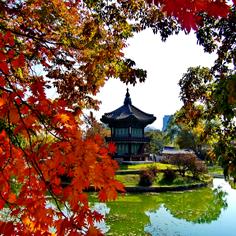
{"x": 165, "y": 63}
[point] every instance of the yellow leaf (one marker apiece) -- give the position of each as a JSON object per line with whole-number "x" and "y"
{"x": 63, "y": 117}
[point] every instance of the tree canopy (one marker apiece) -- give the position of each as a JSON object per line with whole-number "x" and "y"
{"x": 210, "y": 102}
{"x": 73, "y": 46}
{"x": 157, "y": 141}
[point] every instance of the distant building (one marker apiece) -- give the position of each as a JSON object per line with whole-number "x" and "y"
{"x": 127, "y": 125}
{"x": 166, "y": 121}
{"x": 168, "y": 151}
{"x": 171, "y": 152}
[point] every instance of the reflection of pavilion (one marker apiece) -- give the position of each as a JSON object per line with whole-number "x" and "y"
{"x": 127, "y": 125}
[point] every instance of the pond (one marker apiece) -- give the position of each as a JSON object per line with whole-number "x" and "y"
{"x": 206, "y": 211}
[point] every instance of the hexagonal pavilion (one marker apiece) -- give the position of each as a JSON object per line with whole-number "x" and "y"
{"x": 127, "y": 125}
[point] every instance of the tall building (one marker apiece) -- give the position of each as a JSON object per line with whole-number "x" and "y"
{"x": 127, "y": 125}
{"x": 166, "y": 121}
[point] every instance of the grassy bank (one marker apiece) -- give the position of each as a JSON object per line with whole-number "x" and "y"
{"x": 160, "y": 166}
{"x": 215, "y": 170}
{"x": 133, "y": 180}
{"x": 129, "y": 175}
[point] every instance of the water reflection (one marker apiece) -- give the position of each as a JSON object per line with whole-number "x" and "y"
{"x": 200, "y": 212}
{"x": 201, "y": 206}
{"x": 197, "y": 213}
{"x": 104, "y": 210}
{"x": 127, "y": 214}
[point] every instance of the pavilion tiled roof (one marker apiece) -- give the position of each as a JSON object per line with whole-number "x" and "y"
{"x": 128, "y": 113}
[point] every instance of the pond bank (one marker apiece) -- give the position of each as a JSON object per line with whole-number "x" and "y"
{"x": 130, "y": 179}
{"x": 159, "y": 189}
{"x": 218, "y": 176}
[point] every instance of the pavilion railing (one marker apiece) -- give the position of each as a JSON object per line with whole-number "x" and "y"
{"x": 128, "y": 139}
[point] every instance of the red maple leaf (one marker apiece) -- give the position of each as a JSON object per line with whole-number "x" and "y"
{"x": 4, "y": 67}
{"x": 112, "y": 147}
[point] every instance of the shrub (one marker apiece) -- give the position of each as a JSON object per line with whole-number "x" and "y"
{"x": 197, "y": 168}
{"x": 169, "y": 175}
{"x": 153, "y": 169}
{"x": 146, "y": 178}
{"x": 188, "y": 162}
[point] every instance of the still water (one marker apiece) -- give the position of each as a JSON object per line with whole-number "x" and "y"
{"x": 202, "y": 212}
{"x": 163, "y": 221}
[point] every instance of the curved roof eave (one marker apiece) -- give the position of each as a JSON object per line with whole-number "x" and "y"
{"x": 130, "y": 118}
{"x": 127, "y": 113}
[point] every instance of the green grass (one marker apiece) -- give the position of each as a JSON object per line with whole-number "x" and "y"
{"x": 215, "y": 170}
{"x": 128, "y": 180}
{"x": 178, "y": 181}
{"x": 159, "y": 166}
{"x": 133, "y": 180}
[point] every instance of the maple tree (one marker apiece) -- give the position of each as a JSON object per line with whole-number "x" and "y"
{"x": 74, "y": 47}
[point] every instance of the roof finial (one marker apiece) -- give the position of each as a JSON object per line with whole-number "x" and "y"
{"x": 127, "y": 98}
